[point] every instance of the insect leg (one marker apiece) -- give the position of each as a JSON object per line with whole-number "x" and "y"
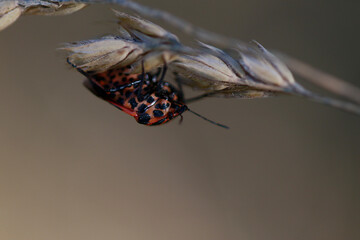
{"x": 161, "y": 80}
{"x": 181, "y": 119}
{"x": 142, "y": 80}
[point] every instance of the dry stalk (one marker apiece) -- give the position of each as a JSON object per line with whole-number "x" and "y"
{"x": 252, "y": 73}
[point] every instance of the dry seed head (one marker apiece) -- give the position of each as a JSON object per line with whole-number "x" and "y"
{"x": 146, "y": 27}
{"x": 160, "y": 46}
{"x": 205, "y": 70}
{"x": 54, "y": 9}
{"x": 9, "y": 13}
{"x": 102, "y": 54}
{"x": 7, "y": 6}
{"x": 139, "y": 41}
{"x": 263, "y": 66}
{"x": 212, "y": 69}
{"x": 154, "y": 60}
{"x": 255, "y": 68}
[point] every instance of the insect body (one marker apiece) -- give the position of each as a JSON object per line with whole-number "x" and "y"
{"x": 150, "y": 102}
{"x": 146, "y": 97}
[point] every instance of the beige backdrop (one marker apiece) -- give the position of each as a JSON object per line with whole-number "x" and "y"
{"x": 73, "y": 167}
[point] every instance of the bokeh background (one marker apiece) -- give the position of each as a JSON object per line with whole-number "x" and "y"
{"x": 74, "y": 167}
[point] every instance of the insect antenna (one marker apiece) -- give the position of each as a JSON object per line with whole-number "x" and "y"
{"x": 181, "y": 119}
{"x": 197, "y": 98}
{"x": 162, "y": 76}
{"x": 208, "y": 120}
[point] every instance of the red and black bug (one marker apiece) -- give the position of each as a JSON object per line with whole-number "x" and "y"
{"x": 140, "y": 95}
{"x": 146, "y": 97}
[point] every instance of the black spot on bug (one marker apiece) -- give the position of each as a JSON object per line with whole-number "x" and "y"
{"x": 144, "y": 118}
{"x": 176, "y": 107}
{"x": 124, "y": 79}
{"x": 150, "y": 100}
{"x": 158, "y": 113}
{"x": 120, "y": 101}
{"x": 162, "y": 106}
{"x": 170, "y": 116}
{"x": 140, "y": 97}
{"x": 133, "y": 103}
{"x": 112, "y": 75}
{"x": 128, "y": 94}
{"x": 142, "y": 108}
{"x": 99, "y": 78}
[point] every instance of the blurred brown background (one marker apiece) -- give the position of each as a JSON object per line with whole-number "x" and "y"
{"x": 74, "y": 167}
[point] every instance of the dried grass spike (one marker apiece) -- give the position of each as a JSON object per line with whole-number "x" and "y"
{"x": 9, "y": 13}
{"x": 144, "y": 26}
{"x": 54, "y": 9}
{"x": 227, "y": 59}
{"x": 103, "y": 54}
{"x": 205, "y": 71}
{"x": 261, "y": 65}
{"x": 154, "y": 60}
